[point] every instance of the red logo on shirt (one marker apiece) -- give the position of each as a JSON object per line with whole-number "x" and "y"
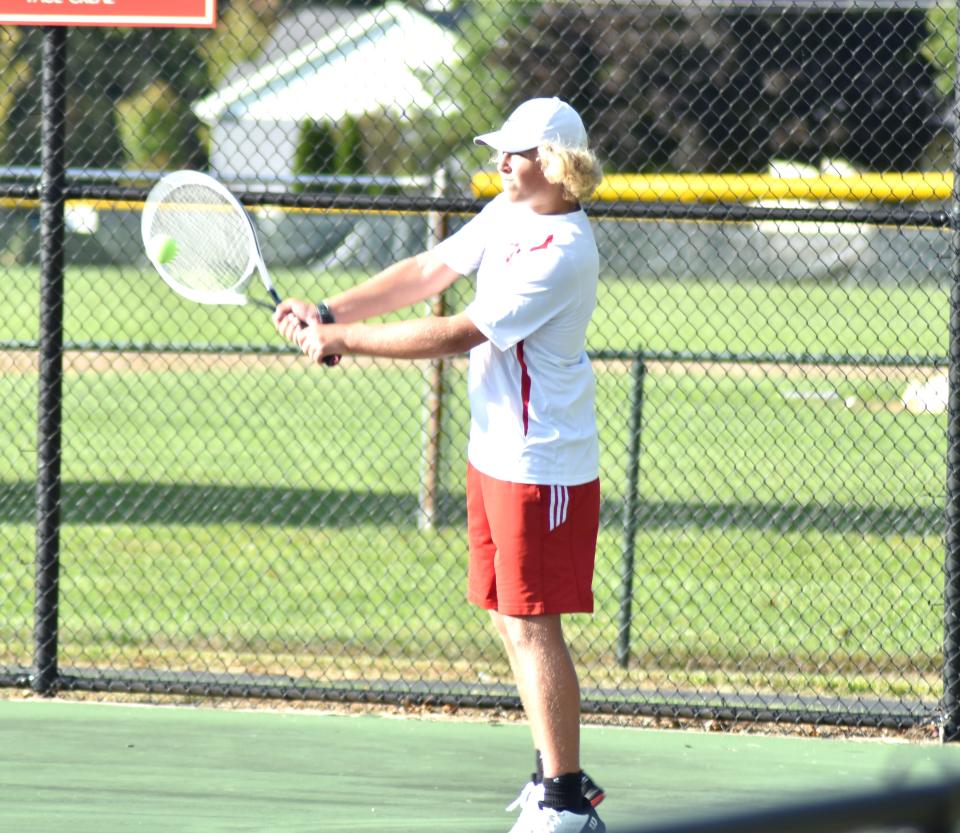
{"x": 517, "y": 248}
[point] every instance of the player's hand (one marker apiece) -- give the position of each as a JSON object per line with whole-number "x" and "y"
{"x": 290, "y": 316}
{"x": 321, "y": 343}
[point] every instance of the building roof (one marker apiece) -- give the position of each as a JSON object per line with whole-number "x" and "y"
{"x": 326, "y": 66}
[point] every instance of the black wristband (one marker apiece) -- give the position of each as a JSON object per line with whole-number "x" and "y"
{"x": 326, "y": 316}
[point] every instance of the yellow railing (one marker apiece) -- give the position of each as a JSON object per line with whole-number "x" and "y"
{"x": 740, "y": 188}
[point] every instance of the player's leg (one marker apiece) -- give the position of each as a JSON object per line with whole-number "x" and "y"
{"x": 528, "y": 801}
{"x": 499, "y": 622}
{"x": 549, "y": 689}
{"x": 551, "y": 698}
{"x": 591, "y": 791}
{"x": 527, "y": 556}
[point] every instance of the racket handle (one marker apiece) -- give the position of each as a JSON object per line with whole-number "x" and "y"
{"x": 327, "y": 318}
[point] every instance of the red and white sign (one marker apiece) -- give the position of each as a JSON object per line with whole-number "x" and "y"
{"x": 120, "y": 13}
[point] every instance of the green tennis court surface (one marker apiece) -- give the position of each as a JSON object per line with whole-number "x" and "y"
{"x": 100, "y": 768}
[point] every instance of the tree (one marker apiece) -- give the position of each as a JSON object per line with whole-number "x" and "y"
{"x": 158, "y": 129}
{"x": 241, "y": 30}
{"x": 480, "y": 87}
{"x": 16, "y": 73}
{"x": 129, "y": 90}
{"x": 730, "y": 89}
{"x": 940, "y": 47}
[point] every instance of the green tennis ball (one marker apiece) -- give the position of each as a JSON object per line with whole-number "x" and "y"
{"x": 163, "y": 248}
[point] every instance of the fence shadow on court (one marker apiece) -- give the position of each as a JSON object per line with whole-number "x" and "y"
{"x": 928, "y": 808}
{"x": 148, "y": 503}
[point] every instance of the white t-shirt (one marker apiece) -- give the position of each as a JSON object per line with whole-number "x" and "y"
{"x": 531, "y": 384}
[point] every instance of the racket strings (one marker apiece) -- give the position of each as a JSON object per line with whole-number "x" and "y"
{"x": 213, "y": 248}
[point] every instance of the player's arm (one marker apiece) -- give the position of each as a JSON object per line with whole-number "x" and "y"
{"x": 422, "y": 338}
{"x": 406, "y": 282}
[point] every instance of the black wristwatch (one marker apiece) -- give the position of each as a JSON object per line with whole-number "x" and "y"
{"x": 326, "y": 317}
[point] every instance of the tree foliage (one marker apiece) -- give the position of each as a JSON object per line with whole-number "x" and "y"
{"x": 158, "y": 130}
{"x": 941, "y": 44}
{"x": 661, "y": 88}
{"x": 728, "y": 89}
{"x": 128, "y": 90}
{"x": 16, "y": 73}
{"x": 241, "y": 30}
{"x": 480, "y": 87}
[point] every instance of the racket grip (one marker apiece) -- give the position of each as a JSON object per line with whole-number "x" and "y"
{"x": 326, "y": 317}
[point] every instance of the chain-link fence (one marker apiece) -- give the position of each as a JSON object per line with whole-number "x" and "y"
{"x": 771, "y": 347}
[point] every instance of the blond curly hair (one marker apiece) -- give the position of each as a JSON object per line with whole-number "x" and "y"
{"x": 577, "y": 170}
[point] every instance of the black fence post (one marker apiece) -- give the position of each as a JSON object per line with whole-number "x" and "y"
{"x": 49, "y": 418}
{"x": 638, "y": 374}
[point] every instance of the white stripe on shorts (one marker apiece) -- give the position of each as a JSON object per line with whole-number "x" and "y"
{"x": 559, "y": 503}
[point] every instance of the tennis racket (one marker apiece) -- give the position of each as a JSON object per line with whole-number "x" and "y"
{"x": 203, "y": 243}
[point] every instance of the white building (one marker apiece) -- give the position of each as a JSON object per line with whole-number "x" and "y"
{"x": 322, "y": 65}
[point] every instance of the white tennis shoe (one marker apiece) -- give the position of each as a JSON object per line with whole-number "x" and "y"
{"x": 536, "y": 819}
{"x": 528, "y": 802}
{"x": 549, "y": 820}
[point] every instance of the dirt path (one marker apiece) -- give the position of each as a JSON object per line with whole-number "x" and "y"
{"x": 14, "y": 362}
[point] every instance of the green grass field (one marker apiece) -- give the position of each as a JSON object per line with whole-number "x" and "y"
{"x": 787, "y": 542}
{"x": 683, "y": 315}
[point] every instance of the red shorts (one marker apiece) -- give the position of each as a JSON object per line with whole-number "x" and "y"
{"x": 532, "y": 548}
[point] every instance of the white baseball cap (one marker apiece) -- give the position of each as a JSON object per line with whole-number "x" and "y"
{"x": 535, "y": 121}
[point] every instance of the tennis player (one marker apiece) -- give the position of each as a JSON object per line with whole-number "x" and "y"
{"x": 533, "y": 492}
